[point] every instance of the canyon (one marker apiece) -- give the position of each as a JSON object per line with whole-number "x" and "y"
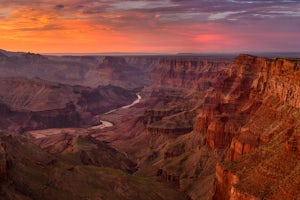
{"x": 204, "y": 127}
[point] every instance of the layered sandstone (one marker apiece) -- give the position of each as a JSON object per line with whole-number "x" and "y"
{"x": 264, "y": 94}
{"x": 189, "y": 72}
{"x": 251, "y": 114}
{"x": 211, "y": 133}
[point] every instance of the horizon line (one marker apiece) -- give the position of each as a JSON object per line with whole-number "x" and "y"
{"x": 153, "y": 53}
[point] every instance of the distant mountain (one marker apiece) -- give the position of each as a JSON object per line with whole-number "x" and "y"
{"x": 10, "y": 53}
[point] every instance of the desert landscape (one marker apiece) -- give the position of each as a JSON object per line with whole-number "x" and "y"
{"x": 196, "y": 127}
{"x": 149, "y": 100}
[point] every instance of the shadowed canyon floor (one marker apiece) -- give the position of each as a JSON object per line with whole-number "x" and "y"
{"x": 202, "y": 127}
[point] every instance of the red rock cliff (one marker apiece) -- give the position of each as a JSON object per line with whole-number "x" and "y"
{"x": 193, "y": 73}
{"x": 254, "y": 112}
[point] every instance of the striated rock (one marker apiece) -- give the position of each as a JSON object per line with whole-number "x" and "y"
{"x": 243, "y": 144}
{"x": 189, "y": 72}
{"x": 245, "y": 119}
{"x": 277, "y": 77}
{"x": 151, "y": 116}
{"x": 156, "y": 131}
{"x": 241, "y": 92}
{"x": 224, "y": 183}
{"x": 264, "y": 93}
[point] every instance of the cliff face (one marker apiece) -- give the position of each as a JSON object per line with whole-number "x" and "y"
{"x": 176, "y": 107}
{"x": 254, "y": 110}
{"x": 270, "y": 77}
{"x": 213, "y": 132}
{"x": 250, "y": 82}
{"x": 169, "y": 143}
{"x": 247, "y": 124}
{"x": 193, "y": 73}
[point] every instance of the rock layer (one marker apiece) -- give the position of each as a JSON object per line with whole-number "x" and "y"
{"x": 264, "y": 96}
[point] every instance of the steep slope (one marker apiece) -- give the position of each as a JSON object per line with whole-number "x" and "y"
{"x": 35, "y": 94}
{"x": 197, "y": 73}
{"x": 263, "y": 158}
{"x": 28, "y": 104}
{"x": 27, "y": 172}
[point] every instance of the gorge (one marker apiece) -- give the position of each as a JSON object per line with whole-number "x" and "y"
{"x": 182, "y": 127}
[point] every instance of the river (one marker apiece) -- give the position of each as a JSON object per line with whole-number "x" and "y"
{"x": 106, "y": 124}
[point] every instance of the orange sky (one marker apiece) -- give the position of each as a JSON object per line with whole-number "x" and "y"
{"x": 166, "y": 26}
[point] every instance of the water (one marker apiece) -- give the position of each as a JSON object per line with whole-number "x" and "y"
{"x": 106, "y": 124}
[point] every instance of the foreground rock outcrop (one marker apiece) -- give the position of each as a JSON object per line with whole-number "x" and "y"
{"x": 259, "y": 129}
{"x": 28, "y": 172}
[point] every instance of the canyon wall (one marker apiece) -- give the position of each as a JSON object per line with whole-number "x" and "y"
{"x": 254, "y": 113}
{"x": 189, "y": 72}
{"x": 247, "y": 128}
{"x": 214, "y": 130}
{"x": 28, "y": 104}
{"x": 180, "y": 81}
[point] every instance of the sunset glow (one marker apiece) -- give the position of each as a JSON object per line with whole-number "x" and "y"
{"x": 163, "y": 26}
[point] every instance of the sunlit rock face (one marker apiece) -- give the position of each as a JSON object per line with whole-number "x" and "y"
{"x": 256, "y": 117}
{"x": 249, "y": 119}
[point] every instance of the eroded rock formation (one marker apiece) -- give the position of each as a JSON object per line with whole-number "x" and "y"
{"x": 249, "y": 121}
{"x": 264, "y": 95}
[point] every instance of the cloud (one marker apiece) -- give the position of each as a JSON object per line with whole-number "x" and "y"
{"x": 175, "y": 24}
{"x": 59, "y": 6}
{"x": 48, "y": 27}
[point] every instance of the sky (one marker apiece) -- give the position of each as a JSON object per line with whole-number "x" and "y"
{"x": 151, "y": 26}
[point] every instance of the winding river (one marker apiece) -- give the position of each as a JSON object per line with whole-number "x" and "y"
{"x": 106, "y": 124}
{"x": 127, "y": 106}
